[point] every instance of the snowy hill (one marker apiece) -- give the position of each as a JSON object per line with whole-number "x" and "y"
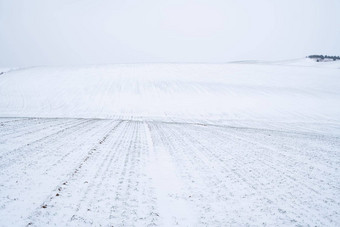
{"x": 201, "y": 91}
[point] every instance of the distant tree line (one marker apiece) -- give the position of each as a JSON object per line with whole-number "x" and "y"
{"x": 323, "y": 57}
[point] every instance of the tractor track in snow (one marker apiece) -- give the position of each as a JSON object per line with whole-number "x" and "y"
{"x": 11, "y": 156}
{"x": 83, "y": 172}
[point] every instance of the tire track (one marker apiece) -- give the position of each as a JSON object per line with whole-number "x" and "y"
{"x": 38, "y": 128}
{"x": 45, "y": 159}
{"x": 10, "y": 157}
{"x": 64, "y": 184}
{"x": 252, "y": 176}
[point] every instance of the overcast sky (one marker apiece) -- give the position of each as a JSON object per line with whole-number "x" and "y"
{"x": 63, "y": 32}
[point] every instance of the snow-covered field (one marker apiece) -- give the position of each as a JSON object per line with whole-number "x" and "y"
{"x": 248, "y": 143}
{"x": 180, "y": 91}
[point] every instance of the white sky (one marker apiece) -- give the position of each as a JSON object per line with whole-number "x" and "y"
{"x": 63, "y": 32}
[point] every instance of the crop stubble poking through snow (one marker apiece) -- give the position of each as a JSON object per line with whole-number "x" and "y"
{"x": 122, "y": 173}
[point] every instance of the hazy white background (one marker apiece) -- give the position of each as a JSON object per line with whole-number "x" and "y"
{"x": 55, "y": 32}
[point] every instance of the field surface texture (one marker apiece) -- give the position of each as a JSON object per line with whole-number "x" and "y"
{"x": 239, "y": 144}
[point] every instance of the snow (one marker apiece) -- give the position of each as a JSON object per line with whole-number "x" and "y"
{"x": 249, "y": 143}
{"x": 186, "y": 91}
